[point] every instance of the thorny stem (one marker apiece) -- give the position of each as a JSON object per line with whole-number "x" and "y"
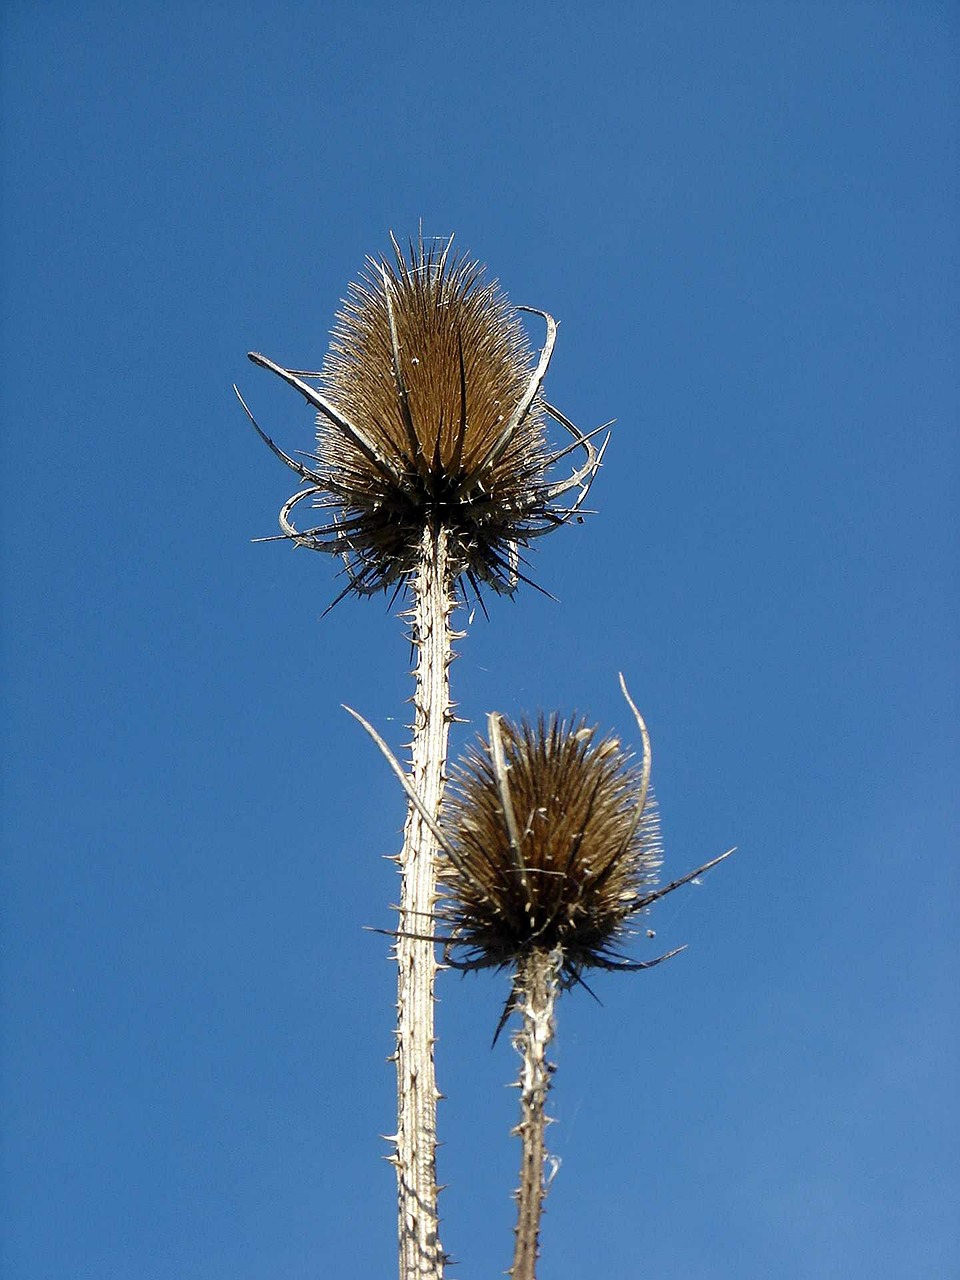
{"x": 421, "y": 1255}
{"x": 536, "y": 985}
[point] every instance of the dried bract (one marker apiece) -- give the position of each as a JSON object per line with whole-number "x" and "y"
{"x": 431, "y": 414}
{"x": 552, "y": 849}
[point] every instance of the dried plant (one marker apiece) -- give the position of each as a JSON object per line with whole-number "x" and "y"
{"x": 556, "y": 835}
{"x": 550, "y": 850}
{"x": 433, "y": 472}
{"x": 429, "y": 414}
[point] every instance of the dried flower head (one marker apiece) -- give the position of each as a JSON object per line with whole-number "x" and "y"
{"x": 549, "y": 841}
{"x": 549, "y": 844}
{"x": 556, "y": 842}
{"x": 430, "y": 412}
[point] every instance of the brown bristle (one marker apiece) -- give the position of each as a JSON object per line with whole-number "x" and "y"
{"x": 568, "y": 867}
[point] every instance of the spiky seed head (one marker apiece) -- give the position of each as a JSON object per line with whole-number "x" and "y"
{"x": 568, "y": 869}
{"x": 429, "y": 361}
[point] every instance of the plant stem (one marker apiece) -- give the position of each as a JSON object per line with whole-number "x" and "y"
{"x": 421, "y": 1255}
{"x": 536, "y": 984}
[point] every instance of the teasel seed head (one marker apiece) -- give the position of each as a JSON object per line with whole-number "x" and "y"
{"x": 551, "y": 842}
{"x": 431, "y": 413}
{"x": 552, "y": 849}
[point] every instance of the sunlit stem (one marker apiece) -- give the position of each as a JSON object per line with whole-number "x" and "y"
{"x": 536, "y": 987}
{"x": 421, "y": 1255}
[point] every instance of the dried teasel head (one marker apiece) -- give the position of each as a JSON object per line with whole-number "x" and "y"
{"x": 431, "y": 413}
{"x": 551, "y": 843}
{"x": 552, "y": 849}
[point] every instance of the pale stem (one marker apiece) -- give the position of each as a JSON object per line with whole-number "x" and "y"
{"x": 421, "y": 1255}
{"x": 536, "y": 986}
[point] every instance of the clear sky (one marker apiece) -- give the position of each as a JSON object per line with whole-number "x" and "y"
{"x": 744, "y": 216}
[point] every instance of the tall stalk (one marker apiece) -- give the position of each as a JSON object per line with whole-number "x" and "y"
{"x": 536, "y": 987}
{"x": 415, "y": 1156}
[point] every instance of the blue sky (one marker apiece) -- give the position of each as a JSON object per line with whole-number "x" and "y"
{"x": 745, "y": 218}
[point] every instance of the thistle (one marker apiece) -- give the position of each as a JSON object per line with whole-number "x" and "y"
{"x": 553, "y": 837}
{"x": 429, "y": 415}
{"x": 433, "y": 474}
{"x": 550, "y": 851}
{"x": 557, "y": 839}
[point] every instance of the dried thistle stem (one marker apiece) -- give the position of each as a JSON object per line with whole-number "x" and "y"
{"x": 421, "y": 1254}
{"x": 536, "y": 987}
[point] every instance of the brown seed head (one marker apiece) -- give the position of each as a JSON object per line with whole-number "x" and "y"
{"x": 431, "y": 415}
{"x": 553, "y": 850}
{"x": 429, "y": 360}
